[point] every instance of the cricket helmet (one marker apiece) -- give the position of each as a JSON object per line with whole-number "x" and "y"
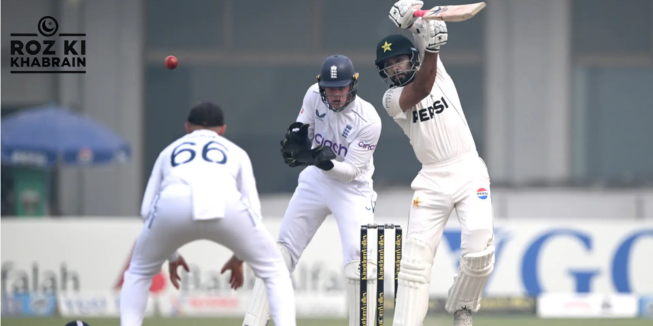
{"x": 392, "y": 46}
{"x": 338, "y": 71}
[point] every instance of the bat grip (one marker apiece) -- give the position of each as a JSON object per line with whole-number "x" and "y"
{"x": 420, "y": 13}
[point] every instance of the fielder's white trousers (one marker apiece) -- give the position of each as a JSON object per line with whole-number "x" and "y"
{"x": 316, "y": 196}
{"x": 171, "y": 226}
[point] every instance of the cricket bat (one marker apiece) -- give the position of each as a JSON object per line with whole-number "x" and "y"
{"x": 453, "y": 13}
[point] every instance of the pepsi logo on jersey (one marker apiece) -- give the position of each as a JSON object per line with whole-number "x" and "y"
{"x": 339, "y": 149}
{"x": 482, "y": 193}
{"x": 428, "y": 113}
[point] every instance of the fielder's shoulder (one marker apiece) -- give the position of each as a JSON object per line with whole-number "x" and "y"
{"x": 368, "y": 111}
{"x": 231, "y": 146}
{"x": 235, "y": 151}
{"x": 314, "y": 89}
{"x": 174, "y": 144}
{"x": 312, "y": 95}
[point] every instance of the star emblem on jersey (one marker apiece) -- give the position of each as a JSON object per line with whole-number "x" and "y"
{"x": 416, "y": 202}
{"x": 386, "y": 47}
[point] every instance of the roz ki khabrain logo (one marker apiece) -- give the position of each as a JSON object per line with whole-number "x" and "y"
{"x": 34, "y": 54}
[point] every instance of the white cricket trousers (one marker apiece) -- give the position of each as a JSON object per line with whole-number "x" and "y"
{"x": 171, "y": 226}
{"x": 352, "y": 204}
{"x": 463, "y": 184}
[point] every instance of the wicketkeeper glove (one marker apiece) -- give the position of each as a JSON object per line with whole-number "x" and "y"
{"x": 296, "y": 139}
{"x": 316, "y": 156}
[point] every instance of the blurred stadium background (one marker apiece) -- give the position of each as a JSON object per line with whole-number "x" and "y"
{"x": 558, "y": 94}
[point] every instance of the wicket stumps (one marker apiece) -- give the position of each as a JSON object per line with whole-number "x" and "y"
{"x": 380, "y": 271}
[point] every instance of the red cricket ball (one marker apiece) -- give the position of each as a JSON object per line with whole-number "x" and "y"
{"x": 171, "y": 62}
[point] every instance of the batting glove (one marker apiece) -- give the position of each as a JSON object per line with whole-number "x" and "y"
{"x": 434, "y": 33}
{"x": 402, "y": 12}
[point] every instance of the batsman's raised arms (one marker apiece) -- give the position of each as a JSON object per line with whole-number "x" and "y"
{"x": 453, "y": 13}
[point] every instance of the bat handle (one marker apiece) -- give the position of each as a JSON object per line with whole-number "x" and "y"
{"x": 420, "y": 13}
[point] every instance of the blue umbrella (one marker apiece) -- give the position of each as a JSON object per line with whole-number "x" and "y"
{"x": 50, "y": 136}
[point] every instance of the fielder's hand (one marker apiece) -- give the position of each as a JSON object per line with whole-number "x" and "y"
{"x": 434, "y": 33}
{"x": 402, "y": 12}
{"x": 172, "y": 270}
{"x": 236, "y": 267}
{"x": 296, "y": 139}
{"x": 313, "y": 156}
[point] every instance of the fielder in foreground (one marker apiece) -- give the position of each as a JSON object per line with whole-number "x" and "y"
{"x": 203, "y": 187}
{"x": 423, "y": 100}
{"x": 334, "y": 137}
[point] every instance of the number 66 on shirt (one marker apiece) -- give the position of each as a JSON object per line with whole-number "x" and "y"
{"x": 206, "y": 149}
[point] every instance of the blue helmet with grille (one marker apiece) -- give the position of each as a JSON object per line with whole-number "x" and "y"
{"x": 338, "y": 71}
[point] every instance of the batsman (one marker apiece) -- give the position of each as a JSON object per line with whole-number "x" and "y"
{"x": 422, "y": 99}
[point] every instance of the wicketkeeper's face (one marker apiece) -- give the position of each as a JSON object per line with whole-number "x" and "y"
{"x": 337, "y": 96}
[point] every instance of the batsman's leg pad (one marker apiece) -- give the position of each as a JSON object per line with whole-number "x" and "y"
{"x": 468, "y": 286}
{"x": 414, "y": 282}
{"x": 352, "y": 273}
{"x": 258, "y": 311}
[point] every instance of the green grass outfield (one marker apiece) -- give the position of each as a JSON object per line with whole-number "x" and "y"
{"x": 430, "y": 321}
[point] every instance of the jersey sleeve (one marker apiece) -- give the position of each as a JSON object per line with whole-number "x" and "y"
{"x": 360, "y": 153}
{"x": 306, "y": 114}
{"x": 391, "y": 103}
{"x": 247, "y": 185}
{"x": 153, "y": 185}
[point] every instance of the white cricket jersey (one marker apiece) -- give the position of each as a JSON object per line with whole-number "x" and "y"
{"x": 352, "y": 133}
{"x": 436, "y": 126}
{"x": 217, "y": 170}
